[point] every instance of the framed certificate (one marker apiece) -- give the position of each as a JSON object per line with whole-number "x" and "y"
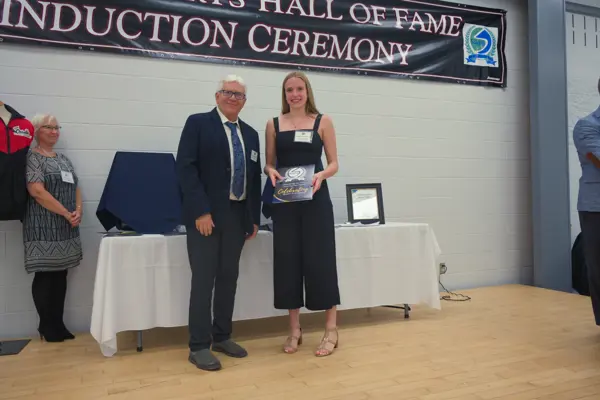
{"x": 365, "y": 203}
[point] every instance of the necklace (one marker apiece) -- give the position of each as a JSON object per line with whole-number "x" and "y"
{"x": 43, "y": 151}
{"x": 294, "y": 124}
{"x": 57, "y": 161}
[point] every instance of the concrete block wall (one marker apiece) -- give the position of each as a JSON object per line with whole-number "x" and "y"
{"x": 454, "y": 156}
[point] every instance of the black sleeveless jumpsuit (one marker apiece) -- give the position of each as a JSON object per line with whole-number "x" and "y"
{"x": 303, "y": 234}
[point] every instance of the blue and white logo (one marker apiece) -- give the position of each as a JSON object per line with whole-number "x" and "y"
{"x": 480, "y": 45}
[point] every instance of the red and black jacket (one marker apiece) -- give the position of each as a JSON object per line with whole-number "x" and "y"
{"x": 15, "y": 139}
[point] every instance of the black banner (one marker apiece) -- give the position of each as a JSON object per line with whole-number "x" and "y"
{"x": 429, "y": 39}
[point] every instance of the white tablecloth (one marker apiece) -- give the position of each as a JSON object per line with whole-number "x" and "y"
{"x": 143, "y": 282}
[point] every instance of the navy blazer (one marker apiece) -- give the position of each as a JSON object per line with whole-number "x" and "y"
{"x": 204, "y": 170}
{"x": 586, "y": 137}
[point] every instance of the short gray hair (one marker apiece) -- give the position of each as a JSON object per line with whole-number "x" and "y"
{"x": 232, "y": 78}
{"x": 38, "y": 120}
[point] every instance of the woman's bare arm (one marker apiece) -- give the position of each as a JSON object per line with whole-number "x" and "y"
{"x": 330, "y": 145}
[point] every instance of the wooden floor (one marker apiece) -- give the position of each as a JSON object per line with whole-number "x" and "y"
{"x": 509, "y": 342}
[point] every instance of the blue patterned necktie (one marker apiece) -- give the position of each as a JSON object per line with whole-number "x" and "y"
{"x": 239, "y": 167}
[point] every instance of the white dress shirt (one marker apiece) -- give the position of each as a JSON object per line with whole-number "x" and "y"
{"x": 239, "y": 133}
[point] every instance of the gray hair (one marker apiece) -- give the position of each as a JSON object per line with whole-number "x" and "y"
{"x": 598, "y": 85}
{"x": 232, "y": 78}
{"x": 38, "y": 120}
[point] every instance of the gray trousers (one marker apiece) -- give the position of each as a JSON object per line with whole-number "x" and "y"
{"x": 214, "y": 261}
{"x": 590, "y": 230}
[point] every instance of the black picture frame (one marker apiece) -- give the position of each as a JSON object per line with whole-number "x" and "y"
{"x": 351, "y": 188}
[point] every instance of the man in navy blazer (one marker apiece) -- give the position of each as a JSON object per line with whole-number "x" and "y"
{"x": 586, "y": 137}
{"x": 218, "y": 168}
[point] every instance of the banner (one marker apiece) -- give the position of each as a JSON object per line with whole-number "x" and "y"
{"x": 419, "y": 40}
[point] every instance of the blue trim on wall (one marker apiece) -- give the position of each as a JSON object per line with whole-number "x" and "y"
{"x": 583, "y": 9}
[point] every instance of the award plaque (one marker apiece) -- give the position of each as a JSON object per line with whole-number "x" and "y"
{"x": 296, "y": 184}
{"x": 365, "y": 203}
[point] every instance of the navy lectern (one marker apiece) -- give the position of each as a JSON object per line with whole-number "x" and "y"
{"x": 141, "y": 194}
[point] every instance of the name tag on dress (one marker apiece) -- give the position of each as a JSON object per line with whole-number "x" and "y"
{"x": 304, "y": 136}
{"x": 67, "y": 177}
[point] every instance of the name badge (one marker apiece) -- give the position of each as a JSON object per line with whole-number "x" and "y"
{"x": 67, "y": 177}
{"x": 254, "y": 156}
{"x": 305, "y": 136}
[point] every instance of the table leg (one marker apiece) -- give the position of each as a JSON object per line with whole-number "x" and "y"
{"x": 406, "y": 309}
{"x": 140, "y": 346}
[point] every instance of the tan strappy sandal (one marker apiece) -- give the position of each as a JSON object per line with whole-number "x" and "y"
{"x": 327, "y": 345}
{"x": 292, "y": 342}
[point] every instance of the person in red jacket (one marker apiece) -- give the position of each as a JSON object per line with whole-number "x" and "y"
{"x": 16, "y": 135}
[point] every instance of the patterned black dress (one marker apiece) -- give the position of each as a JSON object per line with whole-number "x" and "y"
{"x": 51, "y": 244}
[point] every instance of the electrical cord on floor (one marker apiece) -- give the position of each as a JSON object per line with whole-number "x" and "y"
{"x": 448, "y": 297}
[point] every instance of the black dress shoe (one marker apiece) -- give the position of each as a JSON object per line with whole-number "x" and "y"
{"x": 204, "y": 359}
{"x": 230, "y": 348}
{"x": 51, "y": 336}
{"x": 67, "y": 335}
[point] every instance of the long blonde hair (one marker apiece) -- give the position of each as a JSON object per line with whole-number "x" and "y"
{"x": 310, "y": 107}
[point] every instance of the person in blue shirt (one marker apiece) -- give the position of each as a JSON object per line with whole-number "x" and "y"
{"x": 586, "y": 137}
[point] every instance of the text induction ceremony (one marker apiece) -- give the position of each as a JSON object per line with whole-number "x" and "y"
{"x": 409, "y": 39}
{"x": 247, "y": 212}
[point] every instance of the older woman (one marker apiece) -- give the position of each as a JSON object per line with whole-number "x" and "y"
{"x": 51, "y": 227}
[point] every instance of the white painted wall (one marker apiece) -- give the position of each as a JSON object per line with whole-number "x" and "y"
{"x": 454, "y": 156}
{"x": 583, "y": 59}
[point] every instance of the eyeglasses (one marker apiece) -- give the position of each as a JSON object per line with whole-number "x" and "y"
{"x": 229, "y": 93}
{"x": 52, "y": 127}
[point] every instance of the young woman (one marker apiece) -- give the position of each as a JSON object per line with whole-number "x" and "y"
{"x": 304, "y": 237}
